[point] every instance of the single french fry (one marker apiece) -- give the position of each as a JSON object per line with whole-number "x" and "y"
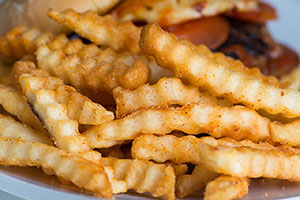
{"x": 218, "y": 74}
{"x": 226, "y": 156}
{"x": 81, "y": 172}
{"x": 87, "y": 67}
{"x": 190, "y": 183}
{"x": 144, "y": 176}
{"x": 9, "y": 128}
{"x": 227, "y": 188}
{"x": 179, "y": 169}
{"x": 101, "y": 30}
{"x": 166, "y": 92}
{"x": 14, "y": 103}
{"x": 286, "y": 134}
{"x": 237, "y": 122}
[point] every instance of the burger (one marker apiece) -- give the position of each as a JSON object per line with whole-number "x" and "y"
{"x": 235, "y": 27}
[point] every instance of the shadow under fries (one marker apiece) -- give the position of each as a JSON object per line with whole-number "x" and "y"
{"x": 259, "y": 188}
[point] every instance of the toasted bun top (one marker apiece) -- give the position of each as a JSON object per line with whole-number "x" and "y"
{"x": 171, "y": 12}
{"x": 34, "y": 12}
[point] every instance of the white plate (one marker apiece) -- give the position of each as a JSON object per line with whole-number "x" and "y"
{"x": 30, "y": 183}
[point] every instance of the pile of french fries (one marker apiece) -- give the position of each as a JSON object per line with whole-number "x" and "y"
{"x": 88, "y": 114}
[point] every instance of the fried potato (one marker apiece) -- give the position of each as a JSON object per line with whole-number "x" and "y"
{"x": 14, "y": 103}
{"x": 144, "y": 176}
{"x": 81, "y": 172}
{"x": 9, "y": 128}
{"x": 237, "y": 122}
{"x": 23, "y": 40}
{"x": 287, "y": 134}
{"x": 220, "y": 75}
{"x": 53, "y": 114}
{"x": 101, "y": 30}
{"x": 179, "y": 169}
{"x": 166, "y": 92}
{"x": 226, "y": 156}
{"x": 292, "y": 80}
{"x": 171, "y": 12}
{"x": 190, "y": 183}
{"x": 226, "y": 188}
{"x": 115, "y": 152}
{"x": 87, "y": 67}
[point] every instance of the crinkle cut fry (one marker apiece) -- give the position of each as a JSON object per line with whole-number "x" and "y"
{"x": 87, "y": 67}
{"x": 81, "y": 172}
{"x": 166, "y": 92}
{"x": 286, "y": 134}
{"x": 101, "y": 30}
{"x": 237, "y": 122}
{"x": 63, "y": 130}
{"x": 14, "y": 103}
{"x": 190, "y": 183}
{"x": 225, "y": 156}
{"x": 23, "y": 40}
{"x": 214, "y": 73}
{"x": 227, "y": 188}
{"x": 10, "y": 128}
{"x": 144, "y": 176}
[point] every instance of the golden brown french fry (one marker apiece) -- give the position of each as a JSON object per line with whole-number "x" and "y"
{"x": 14, "y": 103}
{"x": 63, "y": 130}
{"x": 226, "y": 188}
{"x": 87, "y": 67}
{"x": 9, "y": 128}
{"x": 144, "y": 176}
{"x": 287, "y": 134}
{"x": 219, "y": 75}
{"x": 179, "y": 169}
{"x": 81, "y": 172}
{"x": 167, "y": 91}
{"x": 101, "y": 30}
{"x": 190, "y": 183}
{"x": 226, "y": 156}
{"x": 237, "y": 122}
{"x": 169, "y": 12}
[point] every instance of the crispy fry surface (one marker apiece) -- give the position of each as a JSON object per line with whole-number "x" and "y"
{"x": 102, "y": 30}
{"x": 226, "y": 156}
{"x": 9, "y": 128}
{"x": 23, "y": 40}
{"x": 286, "y": 134}
{"x": 170, "y": 12}
{"x": 81, "y": 172}
{"x": 13, "y": 102}
{"x": 190, "y": 183}
{"x": 166, "y": 92}
{"x": 54, "y": 115}
{"x": 144, "y": 176}
{"x": 87, "y": 67}
{"x": 237, "y": 122}
{"x": 227, "y": 188}
{"x": 219, "y": 75}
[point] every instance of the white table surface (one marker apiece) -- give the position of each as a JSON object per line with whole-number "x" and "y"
{"x": 286, "y": 30}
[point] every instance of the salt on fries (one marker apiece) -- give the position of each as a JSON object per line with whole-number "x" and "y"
{"x": 144, "y": 176}
{"x": 102, "y": 30}
{"x": 237, "y": 122}
{"x": 166, "y": 92}
{"x": 81, "y": 172}
{"x": 190, "y": 183}
{"x": 89, "y": 67}
{"x": 221, "y": 77}
{"x": 226, "y": 187}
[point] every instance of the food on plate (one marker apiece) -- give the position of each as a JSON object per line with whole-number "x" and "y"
{"x": 144, "y": 176}
{"x": 14, "y": 103}
{"x": 166, "y": 92}
{"x": 81, "y": 172}
{"x": 10, "y": 128}
{"x": 105, "y": 31}
{"x": 236, "y": 28}
{"x": 217, "y": 74}
{"x": 226, "y": 187}
{"x": 237, "y": 122}
{"x": 33, "y": 13}
{"x": 87, "y": 67}
{"x": 190, "y": 183}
